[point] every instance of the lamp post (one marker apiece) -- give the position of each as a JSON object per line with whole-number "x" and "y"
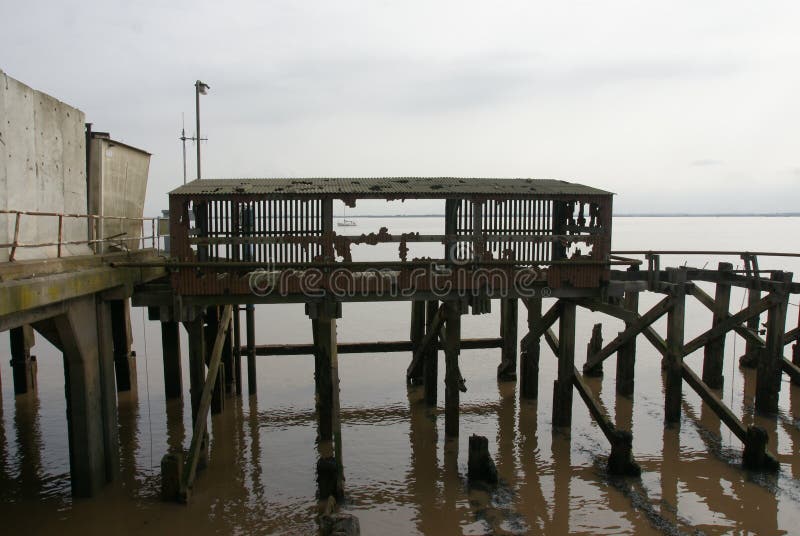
{"x": 200, "y": 88}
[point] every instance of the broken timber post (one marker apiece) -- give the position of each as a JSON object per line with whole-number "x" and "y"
{"x": 529, "y": 357}
{"x": 416, "y": 335}
{"x": 593, "y": 347}
{"x": 23, "y": 364}
{"x": 250, "y": 314}
{"x": 124, "y": 358}
{"x": 453, "y": 382}
{"x": 199, "y": 436}
{"x": 768, "y": 376}
{"x": 171, "y": 348}
{"x": 562, "y": 387}
{"x": 509, "y": 313}
{"x": 481, "y": 469}
{"x": 626, "y": 355}
{"x": 430, "y": 367}
{"x": 714, "y": 356}
{"x": 674, "y": 359}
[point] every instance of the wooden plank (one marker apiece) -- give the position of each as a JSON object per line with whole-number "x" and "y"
{"x": 190, "y": 469}
{"x": 552, "y": 341}
{"x": 612, "y": 310}
{"x": 636, "y": 327}
{"x": 792, "y": 370}
{"x": 371, "y": 347}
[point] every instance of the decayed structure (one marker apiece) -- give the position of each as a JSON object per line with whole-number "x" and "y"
{"x": 243, "y": 242}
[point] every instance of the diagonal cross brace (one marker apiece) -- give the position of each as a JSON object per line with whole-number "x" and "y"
{"x": 544, "y": 324}
{"x": 748, "y": 334}
{"x": 636, "y": 327}
{"x": 430, "y": 337}
{"x": 190, "y": 468}
{"x": 626, "y": 315}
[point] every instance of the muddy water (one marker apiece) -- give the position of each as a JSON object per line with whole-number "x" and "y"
{"x": 402, "y": 476}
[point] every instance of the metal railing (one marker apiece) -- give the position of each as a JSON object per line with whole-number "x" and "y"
{"x": 120, "y": 240}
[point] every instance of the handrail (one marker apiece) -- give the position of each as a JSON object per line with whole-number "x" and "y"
{"x": 704, "y": 252}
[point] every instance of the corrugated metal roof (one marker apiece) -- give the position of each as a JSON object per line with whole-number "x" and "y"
{"x": 380, "y": 187}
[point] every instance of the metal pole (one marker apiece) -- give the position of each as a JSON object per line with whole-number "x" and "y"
{"x": 197, "y": 117}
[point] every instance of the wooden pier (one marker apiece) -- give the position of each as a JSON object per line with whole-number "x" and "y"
{"x": 541, "y": 249}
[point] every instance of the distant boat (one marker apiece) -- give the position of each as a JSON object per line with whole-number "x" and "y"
{"x": 346, "y": 223}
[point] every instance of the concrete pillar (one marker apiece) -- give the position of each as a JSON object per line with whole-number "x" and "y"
{"x": 124, "y": 358}
{"x": 562, "y": 387}
{"x": 84, "y": 335}
{"x": 23, "y": 364}
{"x": 171, "y": 347}
{"x": 509, "y": 313}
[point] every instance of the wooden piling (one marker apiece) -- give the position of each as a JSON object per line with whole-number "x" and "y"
{"x": 562, "y": 387}
{"x": 227, "y": 362}
{"x": 796, "y": 352}
{"x": 23, "y": 365}
{"x": 673, "y": 361}
{"x": 509, "y": 313}
{"x": 453, "y": 382}
{"x": 124, "y": 359}
{"x": 626, "y": 355}
{"x": 171, "y": 348}
{"x": 752, "y": 349}
{"x": 529, "y": 357}
{"x": 211, "y": 328}
{"x": 417, "y": 333}
{"x": 594, "y": 346}
{"x": 430, "y": 367}
{"x": 770, "y": 362}
{"x": 714, "y": 356}
{"x": 237, "y": 349}
{"x": 327, "y": 373}
{"x": 250, "y": 314}
{"x": 197, "y": 361}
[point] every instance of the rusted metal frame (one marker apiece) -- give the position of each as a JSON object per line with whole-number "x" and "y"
{"x": 373, "y": 238}
{"x": 636, "y": 327}
{"x": 190, "y": 468}
{"x": 432, "y": 335}
{"x": 729, "y": 323}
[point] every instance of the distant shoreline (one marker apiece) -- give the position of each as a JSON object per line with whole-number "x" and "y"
{"x": 667, "y": 215}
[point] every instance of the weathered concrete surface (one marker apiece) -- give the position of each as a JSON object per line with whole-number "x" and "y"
{"x": 118, "y": 174}
{"x": 43, "y": 169}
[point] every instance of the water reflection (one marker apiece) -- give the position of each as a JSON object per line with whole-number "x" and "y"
{"x": 29, "y": 482}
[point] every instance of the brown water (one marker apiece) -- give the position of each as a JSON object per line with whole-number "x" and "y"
{"x": 402, "y": 477}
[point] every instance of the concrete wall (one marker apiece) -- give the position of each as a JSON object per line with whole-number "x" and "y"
{"x": 42, "y": 144}
{"x": 118, "y": 175}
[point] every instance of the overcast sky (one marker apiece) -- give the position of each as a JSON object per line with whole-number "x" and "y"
{"x": 675, "y": 106}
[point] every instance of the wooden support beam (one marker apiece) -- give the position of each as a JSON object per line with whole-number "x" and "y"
{"x": 23, "y": 364}
{"x": 453, "y": 382}
{"x": 509, "y": 313}
{"x": 376, "y": 347}
{"x": 756, "y": 455}
{"x": 416, "y": 335}
{"x": 237, "y": 349}
{"x": 747, "y": 333}
{"x": 768, "y": 375}
{"x": 430, "y": 337}
{"x": 552, "y": 341}
{"x": 124, "y": 358}
{"x": 620, "y": 461}
{"x": 562, "y": 388}
{"x": 211, "y": 329}
{"x": 674, "y": 359}
{"x": 430, "y": 359}
{"x": 752, "y": 349}
{"x": 171, "y": 350}
{"x": 595, "y": 345}
{"x": 544, "y": 323}
{"x": 250, "y": 321}
{"x": 626, "y": 354}
{"x": 529, "y": 357}
{"x": 199, "y": 432}
{"x": 197, "y": 361}
{"x": 714, "y": 356}
{"x": 723, "y": 326}
{"x": 636, "y": 327}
